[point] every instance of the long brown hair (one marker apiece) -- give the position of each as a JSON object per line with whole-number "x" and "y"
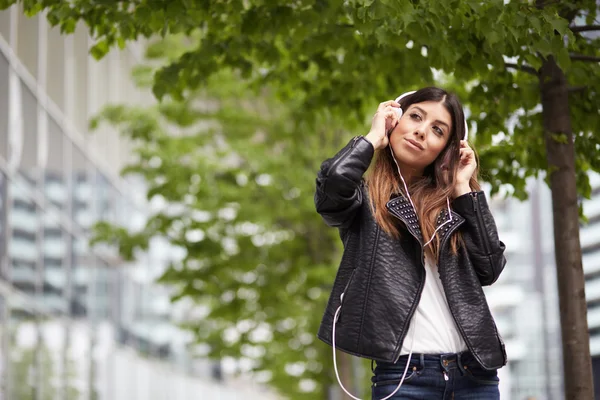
{"x": 430, "y": 191}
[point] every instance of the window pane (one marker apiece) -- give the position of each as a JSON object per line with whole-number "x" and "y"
{"x": 80, "y": 277}
{"x": 106, "y": 199}
{"x": 104, "y": 295}
{"x": 81, "y": 59}
{"x": 55, "y": 250}
{"x": 55, "y": 86}
{"x": 23, "y": 251}
{"x": 55, "y": 184}
{"x": 30, "y": 139}
{"x": 3, "y": 105}
{"x": 27, "y": 38}
{"x": 3, "y": 223}
{"x": 5, "y": 24}
{"x": 81, "y": 195}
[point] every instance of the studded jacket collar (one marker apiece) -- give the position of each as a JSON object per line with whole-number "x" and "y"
{"x": 401, "y": 208}
{"x": 380, "y": 279}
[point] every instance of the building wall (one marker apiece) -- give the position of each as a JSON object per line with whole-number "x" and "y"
{"x": 76, "y": 322}
{"x": 590, "y": 246}
{"x": 524, "y": 300}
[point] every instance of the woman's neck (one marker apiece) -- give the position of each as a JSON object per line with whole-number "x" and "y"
{"x": 410, "y": 174}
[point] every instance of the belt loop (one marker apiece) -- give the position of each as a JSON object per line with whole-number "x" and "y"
{"x": 422, "y": 360}
{"x": 459, "y": 361}
{"x": 372, "y": 368}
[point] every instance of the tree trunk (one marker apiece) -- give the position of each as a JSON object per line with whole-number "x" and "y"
{"x": 571, "y": 283}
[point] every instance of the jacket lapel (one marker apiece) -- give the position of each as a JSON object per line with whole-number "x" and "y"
{"x": 402, "y": 209}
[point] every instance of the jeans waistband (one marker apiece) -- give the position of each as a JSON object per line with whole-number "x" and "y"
{"x": 420, "y": 361}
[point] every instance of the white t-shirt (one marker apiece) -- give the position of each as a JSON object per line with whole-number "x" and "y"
{"x": 436, "y": 331}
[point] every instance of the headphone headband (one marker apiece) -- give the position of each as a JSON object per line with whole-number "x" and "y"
{"x": 414, "y": 91}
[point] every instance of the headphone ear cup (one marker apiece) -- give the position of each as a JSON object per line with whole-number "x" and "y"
{"x": 400, "y": 112}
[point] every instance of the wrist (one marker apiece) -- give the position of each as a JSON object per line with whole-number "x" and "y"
{"x": 461, "y": 188}
{"x": 374, "y": 139}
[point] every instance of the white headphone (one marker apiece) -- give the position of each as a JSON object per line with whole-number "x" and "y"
{"x": 400, "y": 112}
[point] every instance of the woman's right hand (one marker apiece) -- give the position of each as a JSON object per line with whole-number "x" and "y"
{"x": 385, "y": 119}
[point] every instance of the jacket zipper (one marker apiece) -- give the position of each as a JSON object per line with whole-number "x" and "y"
{"x": 343, "y": 155}
{"x": 412, "y": 311}
{"x": 462, "y": 333}
{"x": 346, "y": 239}
{"x": 346, "y": 287}
{"x": 482, "y": 229}
{"x": 415, "y": 303}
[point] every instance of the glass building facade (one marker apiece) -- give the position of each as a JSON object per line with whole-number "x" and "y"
{"x": 590, "y": 247}
{"x": 525, "y": 298}
{"x": 77, "y": 322}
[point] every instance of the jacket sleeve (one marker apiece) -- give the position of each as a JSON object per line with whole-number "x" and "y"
{"x": 485, "y": 249}
{"x": 338, "y": 194}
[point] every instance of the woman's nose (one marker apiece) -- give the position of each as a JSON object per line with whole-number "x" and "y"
{"x": 420, "y": 133}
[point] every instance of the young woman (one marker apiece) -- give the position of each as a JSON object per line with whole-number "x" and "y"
{"x": 419, "y": 244}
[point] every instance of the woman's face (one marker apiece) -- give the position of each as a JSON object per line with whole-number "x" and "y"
{"x": 420, "y": 136}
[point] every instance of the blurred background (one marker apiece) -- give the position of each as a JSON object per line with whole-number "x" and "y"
{"x": 78, "y": 320}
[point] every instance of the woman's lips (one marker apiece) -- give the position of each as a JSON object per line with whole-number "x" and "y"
{"x": 414, "y": 144}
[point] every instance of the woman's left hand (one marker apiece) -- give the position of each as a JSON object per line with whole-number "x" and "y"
{"x": 466, "y": 168}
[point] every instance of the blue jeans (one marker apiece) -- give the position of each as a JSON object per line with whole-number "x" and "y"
{"x": 441, "y": 377}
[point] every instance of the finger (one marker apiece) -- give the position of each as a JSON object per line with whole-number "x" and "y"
{"x": 394, "y": 110}
{"x": 389, "y": 123}
{"x": 385, "y": 104}
{"x": 464, "y": 144}
{"x": 390, "y": 112}
{"x": 386, "y": 114}
{"x": 466, "y": 154}
{"x": 392, "y": 115}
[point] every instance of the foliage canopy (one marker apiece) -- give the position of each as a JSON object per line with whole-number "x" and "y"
{"x": 264, "y": 91}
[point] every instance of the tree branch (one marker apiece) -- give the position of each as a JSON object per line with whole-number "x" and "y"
{"x": 541, "y": 3}
{"x": 575, "y": 89}
{"x": 582, "y": 57}
{"x": 585, "y": 28}
{"x": 524, "y": 68}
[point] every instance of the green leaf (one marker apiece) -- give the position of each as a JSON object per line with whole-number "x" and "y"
{"x": 535, "y": 24}
{"x": 99, "y": 50}
{"x": 563, "y": 58}
{"x": 559, "y": 24}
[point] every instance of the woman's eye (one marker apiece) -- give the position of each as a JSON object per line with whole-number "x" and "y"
{"x": 438, "y": 130}
{"x": 415, "y": 116}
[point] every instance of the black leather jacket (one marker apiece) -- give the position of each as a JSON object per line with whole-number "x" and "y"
{"x": 382, "y": 278}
